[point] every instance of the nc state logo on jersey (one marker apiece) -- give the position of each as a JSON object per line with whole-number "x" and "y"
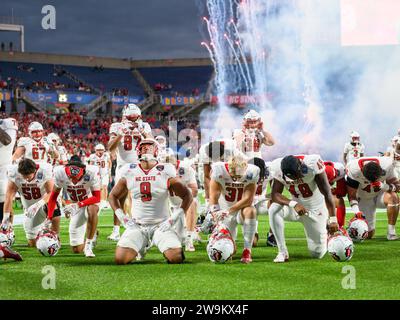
{"x": 249, "y": 176}
{"x": 40, "y": 176}
{"x": 132, "y": 166}
{"x": 86, "y": 177}
{"x": 181, "y": 171}
{"x": 160, "y": 167}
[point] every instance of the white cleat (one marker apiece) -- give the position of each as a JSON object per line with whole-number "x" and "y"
{"x": 89, "y": 252}
{"x": 392, "y": 237}
{"x": 114, "y": 236}
{"x": 282, "y": 257}
{"x": 189, "y": 246}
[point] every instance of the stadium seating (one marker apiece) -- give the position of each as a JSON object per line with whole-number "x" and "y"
{"x": 26, "y": 74}
{"x": 184, "y": 80}
{"x": 107, "y": 79}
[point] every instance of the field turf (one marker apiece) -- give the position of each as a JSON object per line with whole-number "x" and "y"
{"x": 376, "y": 263}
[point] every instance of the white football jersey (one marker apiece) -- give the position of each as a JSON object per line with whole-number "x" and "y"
{"x": 339, "y": 168}
{"x": 229, "y": 148}
{"x": 149, "y": 190}
{"x": 102, "y": 162}
{"x": 126, "y": 150}
{"x": 83, "y": 189}
{"x": 31, "y": 191}
{"x": 353, "y": 152}
{"x": 10, "y": 126}
{"x": 36, "y": 151}
{"x": 187, "y": 175}
{"x": 248, "y": 142}
{"x": 354, "y": 171}
{"x": 304, "y": 190}
{"x": 232, "y": 190}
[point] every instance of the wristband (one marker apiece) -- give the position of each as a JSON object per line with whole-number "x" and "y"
{"x": 354, "y": 206}
{"x": 333, "y": 219}
{"x": 292, "y": 203}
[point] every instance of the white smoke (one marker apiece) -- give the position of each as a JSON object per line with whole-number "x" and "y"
{"x": 322, "y": 91}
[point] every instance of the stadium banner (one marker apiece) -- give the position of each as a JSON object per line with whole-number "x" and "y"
{"x": 239, "y": 99}
{"x": 54, "y": 97}
{"x": 180, "y": 100}
{"x": 5, "y": 95}
{"x": 122, "y": 100}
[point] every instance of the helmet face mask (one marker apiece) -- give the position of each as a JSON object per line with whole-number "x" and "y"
{"x": 252, "y": 120}
{"x": 131, "y": 112}
{"x": 355, "y": 138}
{"x": 100, "y": 150}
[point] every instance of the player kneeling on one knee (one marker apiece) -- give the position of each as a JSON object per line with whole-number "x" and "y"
{"x": 371, "y": 184}
{"x": 150, "y": 184}
{"x": 312, "y": 202}
{"x": 34, "y": 182}
{"x": 82, "y": 183}
{"x": 232, "y": 188}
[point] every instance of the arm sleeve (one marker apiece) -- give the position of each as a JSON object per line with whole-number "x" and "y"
{"x": 95, "y": 198}
{"x": 51, "y": 205}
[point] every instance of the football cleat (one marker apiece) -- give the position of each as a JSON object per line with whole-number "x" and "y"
{"x": 89, "y": 252}
{"x": 189, "y": 245}
{"x": 114, "y": 236}
{"x": 255, "y": 239}
{"x": 282, "y": 257}
{"x": 392, "y": 237}
{"x": 246, "y": 256}
{"x": 11, "y": 254}
{"x": 271, "y": 241}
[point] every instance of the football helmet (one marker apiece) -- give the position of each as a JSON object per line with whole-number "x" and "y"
{"x": 35, "y": 130}
{"x": 358, "y": 229}
{"x": 7, "y": 237}
{"x": 162, "y": 141}
{"x": 132, "y": 113}
{"x": 75, "y": 169}
{"x": 252, "y": 120}
{"x": 220, "y": 246}
{"x": 54, "y": 138}
{"x": 142, "y": 155}
{"x": 100, "y": 149}
{"x": 48, "y": 243}
{"x": 340, "y": 247}
{"x": 354, "y": 137}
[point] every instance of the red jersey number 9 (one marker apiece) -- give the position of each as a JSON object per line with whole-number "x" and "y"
{"x": 145, "y": 191}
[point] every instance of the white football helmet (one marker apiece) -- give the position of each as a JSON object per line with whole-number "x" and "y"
{"x": 162, "y": 141}
{"x": 132, "y": 113}
{"x": 354, "y": 137}
{"x": 251, "y": 120}
{"x": 100, "y": 147}
{"x": 358, "y": 229}
{"x": 48, "y": 243}
{"x": 220, "y": 246}
{"x": 147, "y": 156}
{"x": 7, "y": 238}
{"x": 35, "y": 130}
{"x": 340, "y": 247}
{"x": 54, "y": 138}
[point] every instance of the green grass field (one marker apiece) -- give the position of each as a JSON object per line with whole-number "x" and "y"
{"x": 376, "y": 263}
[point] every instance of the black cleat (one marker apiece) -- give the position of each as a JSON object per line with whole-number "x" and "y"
{"x": 271, "y": 241}
{"x": 8, "y": 253}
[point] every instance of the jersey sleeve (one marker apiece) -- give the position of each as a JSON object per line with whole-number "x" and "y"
{"x": 58, "y": 177}
{"x": 115, "y": 127}
{"x": 192, "y": 175}
{"x": 169, "y": 170}
{"x": 203, "y": 157}
{"x": 23, "y": 142}
{"x": 217, "y": 171}
{"x": 346, "y": 148}
{"x": 47, "y": 172}
{"x": 255, "y": 174}
{"x": 12, "y": 173}
{"x": 316, "y": 164}
{"x": 353, "y": 170}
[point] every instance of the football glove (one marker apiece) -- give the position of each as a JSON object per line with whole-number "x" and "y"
{"x": 6, "y": 223}
{"x": 33, "y": 209}
{"x": 70, "y": 210}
